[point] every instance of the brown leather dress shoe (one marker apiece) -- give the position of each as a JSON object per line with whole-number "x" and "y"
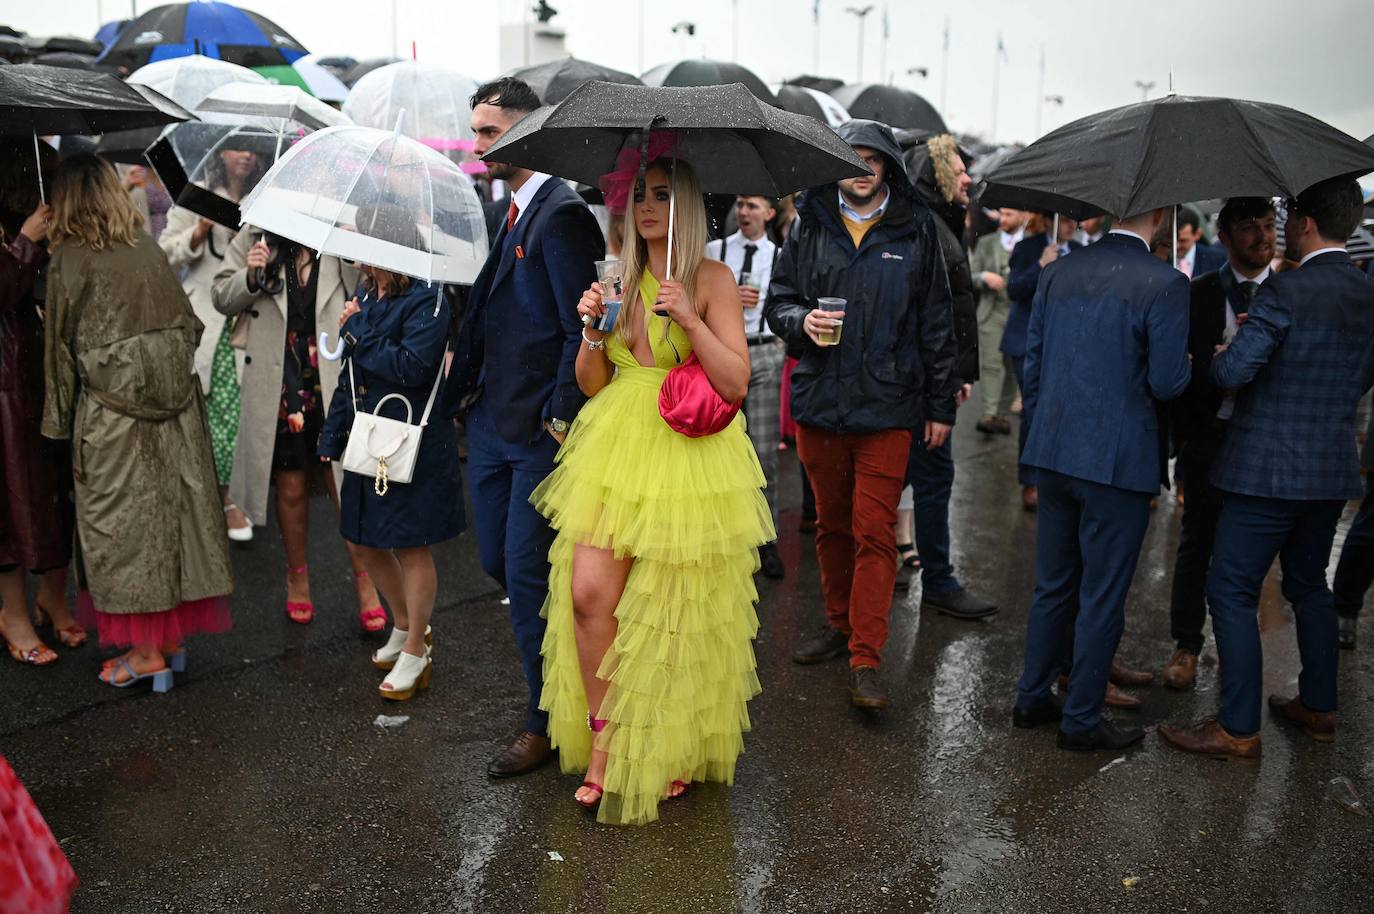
{"x": 1030, "y": 498}
{"x": 1181, "y": 670}
{"x": 1320, "y": 725}
{"x": 1208, "y": 737}
{"x": 1126, "y": 677}
{"x": 1118, "y": 699}
{"x": 866, "y": 689}
{"x": 526, "y": 753}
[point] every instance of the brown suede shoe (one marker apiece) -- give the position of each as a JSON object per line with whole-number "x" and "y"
{"x": 1126, "y": 677}
{"x": 526, "y": 753}
{"x": 1181, "y": 670}
{"x": 1116, "y": 698}
{"x": 1320, "y": 725}
{"x": 866, "y": 689}
{"x": 1208, "y": 737}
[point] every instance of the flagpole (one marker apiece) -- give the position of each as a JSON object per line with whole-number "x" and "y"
{"x": 882, "y": 67}
{"x": 641, "y": 36}
{"x": 816, "y": 29}
{"x": 944, "y": 68}
{"x": 996, "y": 80}
{"x": 1040, "y": 93}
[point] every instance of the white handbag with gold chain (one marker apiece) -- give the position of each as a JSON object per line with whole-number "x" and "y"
{"x": 385, "y": 449}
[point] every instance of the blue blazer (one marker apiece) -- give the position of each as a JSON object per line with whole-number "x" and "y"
{"x": 518, "y": 344}
{"x": 1208, "y": 259}
{"x": 1024, "y": 276}
{"x": 1108, "y": 338}
{"x": 1302, "y": 360}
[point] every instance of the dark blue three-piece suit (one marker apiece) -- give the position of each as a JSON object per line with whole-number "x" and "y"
{"x": 1107, "y": 339}
{"x": 1302, "y": 361}
{"x": 516, "y": 355}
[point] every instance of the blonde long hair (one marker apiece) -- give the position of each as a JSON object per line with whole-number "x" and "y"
{"x": 91, "y": 207}
{"x": 689, "y": 239}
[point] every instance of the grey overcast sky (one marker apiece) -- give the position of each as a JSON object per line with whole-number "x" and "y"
{"x": 1311, "y": 55}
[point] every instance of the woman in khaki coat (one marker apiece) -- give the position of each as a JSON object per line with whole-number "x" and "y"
{"x": 197, "y": 247}
{"x": 120, "y": 336}
{"x": 285, "y": 391}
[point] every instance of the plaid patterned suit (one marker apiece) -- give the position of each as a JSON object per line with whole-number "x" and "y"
{"x": 1289, "y": 463}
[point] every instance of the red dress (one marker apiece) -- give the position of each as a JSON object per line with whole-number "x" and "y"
{"x": 35, "y": 877}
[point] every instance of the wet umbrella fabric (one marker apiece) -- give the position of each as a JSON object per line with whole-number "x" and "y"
{"x": 434, "y": 99}
{"x": 319, "y": 80}
{"x": 214, "y": 29}
{"x": 708, "y": 73}
{"x": 186, "y": 81}
{"x": 737, "y": 144}
{"x": 52, "y": 100}
{"x": 890, "y": 105}
{"x": 1172, "y": 150}
{"x": 812, "y": 103}
{"x": 377, "y": 197}
{"x": 555, "y": 80}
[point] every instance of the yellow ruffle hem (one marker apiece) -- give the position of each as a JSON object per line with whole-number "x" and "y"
{"x": 691, "y": 513}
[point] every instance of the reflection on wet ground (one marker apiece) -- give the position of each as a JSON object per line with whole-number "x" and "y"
{"x": 262, "y": 784}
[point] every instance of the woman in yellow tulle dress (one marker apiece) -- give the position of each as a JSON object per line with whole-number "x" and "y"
{"x": 648, "y": 657}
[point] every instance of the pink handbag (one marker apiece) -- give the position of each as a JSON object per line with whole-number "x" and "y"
{"x": 690, "y": 405}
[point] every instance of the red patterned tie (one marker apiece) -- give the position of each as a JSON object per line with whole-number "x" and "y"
{"x": 511, "y": 214}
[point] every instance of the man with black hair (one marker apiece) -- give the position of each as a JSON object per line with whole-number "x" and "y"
{"x": 1195, "y": 257}
{"x": 514, "y": 373}
{"x": 1218, "y": 303}
{"x": 1288, "y": 465}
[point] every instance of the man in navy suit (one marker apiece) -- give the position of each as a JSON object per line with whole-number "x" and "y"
{"x": 1031, "y": 255}
{"x": 1108, "y": 339}
{"x": 514, "y": 368}
{"x": 1301, "y": 362}
{"x": 1195, "y": 257}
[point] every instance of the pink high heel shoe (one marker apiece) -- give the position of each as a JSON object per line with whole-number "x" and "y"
{"x": 596, "y": 725}
{"x": 302, "y": 612}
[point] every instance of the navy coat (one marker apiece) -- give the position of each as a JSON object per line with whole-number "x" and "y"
{"x": 1208, "y": 259}
{"x": 1108, "y": 337}
{"x": 1302, "y": 360}
{"x": 1024, "y": 276}
{"x": 397, "y": 347}
{"x": 519, "y": 340}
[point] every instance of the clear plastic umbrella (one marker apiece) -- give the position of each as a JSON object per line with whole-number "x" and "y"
{"x": 434, "y": 99}
{"x": 187, "y": 80}
{"x": 377, "y": 197}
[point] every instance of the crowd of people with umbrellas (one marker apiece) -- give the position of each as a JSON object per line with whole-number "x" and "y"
{"x": 219, "y": 289}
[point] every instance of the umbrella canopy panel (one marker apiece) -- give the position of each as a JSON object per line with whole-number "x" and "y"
{"x": 319, "y": 80}
{"x": 890, "y": 105}
{"x": 737, "y": 144}
{"x": 555, "y": 80}
{"x": 708, "y": 73}
{"x": 267, "y": 105}
{"x": 811, "y": 102}
{"x": 52, "y": 100}
{"x": 214, "y": 29}
{"x": 1172, "y": 150}
{"x": 434, "y": 99}
{"x": 377, "y": 197}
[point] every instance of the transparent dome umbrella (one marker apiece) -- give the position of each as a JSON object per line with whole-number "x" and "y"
{"x": 196, "y": 165}
{"x": 376, "y": 197}
{"x": 434, "y": 99}
{"x": 186, "y": 81}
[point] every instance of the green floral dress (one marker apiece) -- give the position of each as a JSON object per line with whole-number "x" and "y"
{"x": 222, "y": 405}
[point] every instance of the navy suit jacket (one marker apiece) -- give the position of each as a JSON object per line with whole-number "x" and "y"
{"x": 1108, "y": 338}
{"x": 1302, "y": 360}
{"x": 518, "y": 344}
{"x": 1208, "y": 259}
{"x": 1022, "y": 278}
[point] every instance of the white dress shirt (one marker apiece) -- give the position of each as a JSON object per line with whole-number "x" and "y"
{"x": 761, "y": 267}
{"x": 525, "y": 195}
{"x": 1010, "y": 239}
{"x": 1228, "y": 402}
{"x": 847, "y": 210}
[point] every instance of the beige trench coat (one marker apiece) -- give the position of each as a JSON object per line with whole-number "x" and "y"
{"x": 201, "y": 264}
{"x": 119, "y": 338}
{"x": 260, "y": 394}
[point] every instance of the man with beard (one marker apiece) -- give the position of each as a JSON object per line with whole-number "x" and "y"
{"x": 1287, "y": 467}
{"x": 514, "y": 374}
{"x": 943, "y": 181}
{"x": 871, "y": 242}
{"x": 1219, "y": 303}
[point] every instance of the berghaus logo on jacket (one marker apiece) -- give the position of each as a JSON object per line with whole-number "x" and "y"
{"x": 888, "y": 255}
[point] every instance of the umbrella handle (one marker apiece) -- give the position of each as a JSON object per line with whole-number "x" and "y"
{"x": 332, "y": 355}
{"x": 672, "y": 219}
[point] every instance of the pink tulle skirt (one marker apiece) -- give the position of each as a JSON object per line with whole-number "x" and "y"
{"x": 209, "y": 616}
{"x": 788, "y": 428}
{"x": 35, "y": 877}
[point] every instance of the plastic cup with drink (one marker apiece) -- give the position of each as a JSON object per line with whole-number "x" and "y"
{"x": 751, "y": 281}
{"x": 831, "y": 336}
{"x": 610, "y": 274}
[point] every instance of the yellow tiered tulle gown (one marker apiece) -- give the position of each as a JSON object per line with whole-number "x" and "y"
{"x": 691, "y": 513}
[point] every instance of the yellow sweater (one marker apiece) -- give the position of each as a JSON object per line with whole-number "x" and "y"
{"x": 857, "y": 229}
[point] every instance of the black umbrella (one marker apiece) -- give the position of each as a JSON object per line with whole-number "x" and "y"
{"x": 890, "y": 105}
{"x": 555, "y": 80}
{"x": 1172, "y": 150}
{"x": 819, "y": 83}
{"x": 707, "y": 73}
{"x": 797, "y": 100}
{"x": 64, "y": 44}
{"x": 67, "y": 60}
{"x": 364, "y": 67}
{"x": 13, "y": 50}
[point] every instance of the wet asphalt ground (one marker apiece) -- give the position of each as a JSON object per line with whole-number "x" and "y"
{"x": 262, "y": 783}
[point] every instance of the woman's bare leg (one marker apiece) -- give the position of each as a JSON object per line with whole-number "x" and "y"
{"x": 598, "y": 580}
{"x": 293, "y": 518}
{"x": 421, "y": 584}
{"x": 362, "y": 579}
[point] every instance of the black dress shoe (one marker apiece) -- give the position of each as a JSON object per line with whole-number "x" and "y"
{"x": 1345, "y": 632}
{"x": 960, "y": 604}
{"x": 827, "y": 644}
{"x": 1047, "y": 710}
{"x": 526, "y": 753}
{"x": 770, "y": 563}
{"x": 1105, "y": 737}
{"x": 866, "y": 689}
